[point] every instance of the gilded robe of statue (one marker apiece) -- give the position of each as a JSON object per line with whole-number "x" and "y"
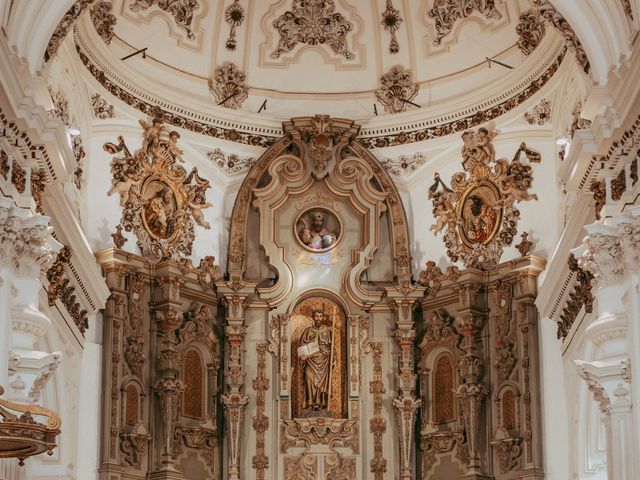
{"x": 316, "y": 367}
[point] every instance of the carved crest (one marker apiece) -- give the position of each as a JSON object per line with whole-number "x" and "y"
{"x": 160, "y": 200}
{"x": 478, "y": 212}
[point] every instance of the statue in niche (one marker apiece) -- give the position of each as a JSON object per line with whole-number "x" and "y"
{"x": 318, "y": 359}
{"x": 159, "y": 212}
{"x": 316, "y": 233}
{"x": 315, "y": 353}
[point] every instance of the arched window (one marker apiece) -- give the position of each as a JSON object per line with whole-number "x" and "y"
{"x": 132, "y": 398}
{"x": 508, "y": 410}
{"x": 193, "y": 378}
{"x": 443, "y": 390}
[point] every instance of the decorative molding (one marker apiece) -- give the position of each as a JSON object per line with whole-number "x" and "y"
{"x": 479, "y": 212}
{"x": 228, "y": 87}
{"x": 160, "y": 200}
{"x": 313, "y": 22}
{"x": 101, "y": 108}
{"x": 626, "y": 5}
{"x": 530, "y": 30}
{"x": 56, "y": 275}
{"x": 260, "y": 461}
{"x": 525, "y": 245}
{"x": 391, "y": 21}
{"x": 397, "y": 89}
{"x": 432, "y": 277}
{"x": 64, "y": 26}
{"x": 547, "y": 11}
{"x": 446, "y": 13}
{"x": 182, "y": 11}
{"x": 103, "y": 20}
{"x": 378, "y": 423}
{"x": 234, "y": 16}
{"x": 578, "y": 122}
{"x": 60, "y": 106}
{"x": 540, "y": 114}
{"x": 580, "y": 296}
{"x": 404, "y": 164}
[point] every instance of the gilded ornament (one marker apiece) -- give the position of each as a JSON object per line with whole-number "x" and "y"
{"x": 228, "y": 86}
{"x": 313, "y": 22}
{"x": 397, "y": 89}
{"x": 525, "y": 245}
{"x": 118, "y": 239}
{"x": 378, "y": 423}
{"x": 479, "y": 214}
{"x": 160, "y": 200}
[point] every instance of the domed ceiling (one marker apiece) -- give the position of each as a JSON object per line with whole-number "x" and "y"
{"x": 386, "y": 64}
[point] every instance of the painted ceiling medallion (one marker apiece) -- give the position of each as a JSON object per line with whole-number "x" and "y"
{"x": 541, "y": 113}
{"x": 478, "y": 212}
{"x": 181, "y": 10}
{"x": 313, "y": 22}
{"x": 391, "y": 21}
{"x": 160, "y": 200}
{"x": 530, "y": 32}
{"x": 234, "y": 16}
{"x": 103, "y": 20}
{"x": 228, "y": 87}
{"x": 397, "y": 89}
{"x": 447, "y": 12}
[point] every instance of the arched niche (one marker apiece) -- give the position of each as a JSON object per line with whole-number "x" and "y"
{"x": 193, "y": 377}
{"x": 318, "y": 166}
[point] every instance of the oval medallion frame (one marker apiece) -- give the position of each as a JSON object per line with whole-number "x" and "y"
{"x": 149, "y": 196}
{"x": 333, "y": 224}
{"x": 478, "y": 219}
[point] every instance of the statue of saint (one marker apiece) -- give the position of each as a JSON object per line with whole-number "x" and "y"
{"x": 314, "y": 353}
{"x": 316, "y": 236}
{"x": 159, "y": 213}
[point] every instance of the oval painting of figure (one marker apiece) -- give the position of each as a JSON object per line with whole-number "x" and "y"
{"x": 318, "y": 229}
{"x": 160, "y": 209}
{"x": 480, "y": 214}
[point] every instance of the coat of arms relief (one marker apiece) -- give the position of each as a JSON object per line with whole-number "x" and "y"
{"x": 160, "y": 200}
{"x": 478, "y": 211}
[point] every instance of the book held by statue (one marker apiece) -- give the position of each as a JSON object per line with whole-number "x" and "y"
{"x": 308, "y": 349}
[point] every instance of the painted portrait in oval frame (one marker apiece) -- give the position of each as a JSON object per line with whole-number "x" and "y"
{"x": 160, "y": 209}
{"x": 318, "y": 229}
{"x": 480, "y": 214}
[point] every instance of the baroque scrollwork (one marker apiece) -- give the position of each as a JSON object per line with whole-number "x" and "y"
{"x": 397, "y": 89}
{"x": 313, "y": 22}
{"x": 378, "y": 423}
{"x": 540, "y": 114}
{"x": 101, "y": 108}
{"x": 404, "y": 164}
{"x": 530, "y": 32}
{"x": 260, "y": 461}
{"x": 228, "y": 87}
{"x": 103, "y": 20}
{"x": 479, "y": 212}
{"x": 446, "y": 13}
{"x": 182, "y": 11}
{"x": 230, "y": 163}
{"x": 64, "y": 26}
{"x": 391, "y": 21}
{"x": 234, "y": 16}
{"x": 160, "y": 200}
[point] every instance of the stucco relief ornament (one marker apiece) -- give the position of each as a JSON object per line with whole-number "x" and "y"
{"x": 313, "y": 22}
{"x": 182, "y": 11}
{"x": 530, "y": 32}
{"x": 540, "y": 114}
{"x": 234, "y": 16}
{"x": 160, "y": 200}
{"x": 103, "y": 20}
{"x": 391, "y": 21}
{"x": 228, "y": 87}
{"x": 446, "y": 13}
{"x": 397, "y": 89}
{"x": 101, "y": 108}
{"x": 478, "y": 212}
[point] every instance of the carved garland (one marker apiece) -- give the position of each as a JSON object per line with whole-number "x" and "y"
{"x": 260, "y": 460}
{"x": 377, "y": 424}
{"x": 479, "y": 212}
{"x": 160, "y": 200}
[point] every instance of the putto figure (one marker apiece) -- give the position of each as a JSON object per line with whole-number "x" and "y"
{"x": 316, "y": 235}
{"x": 315, "y": 353}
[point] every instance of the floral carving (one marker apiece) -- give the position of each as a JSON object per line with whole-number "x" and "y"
{"x": 446, "y": 13}
{"x": 101, "y": 108}
{"x": 397, "y": 89}
{"x": 530, "y": 32}
{"x": 378, "y": 423}
{"x": 391, "y": 21}
{"x": 479, "y": 212}
{"x": 60, "y": 106}
{"x": 313, "y": 22}
{"x": 64, "y": 26}
{"x": 540, "y": 114}
{"x": 260, "y": 461}
{"x": 403, "y": 165}
{"x": 578, "y": 121}
{"x": 160, "y": 200}
{"x": 234, "y": 16}
{"x": 228, "y": 87}
{"x": 230, "y": 163}
{"x": 579, "y": 297}
{"x": 551, "y": 15}
{"x": 103, "y": 20}
{"x": 181, "y": 10}
{"x": 55, "y": 275}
